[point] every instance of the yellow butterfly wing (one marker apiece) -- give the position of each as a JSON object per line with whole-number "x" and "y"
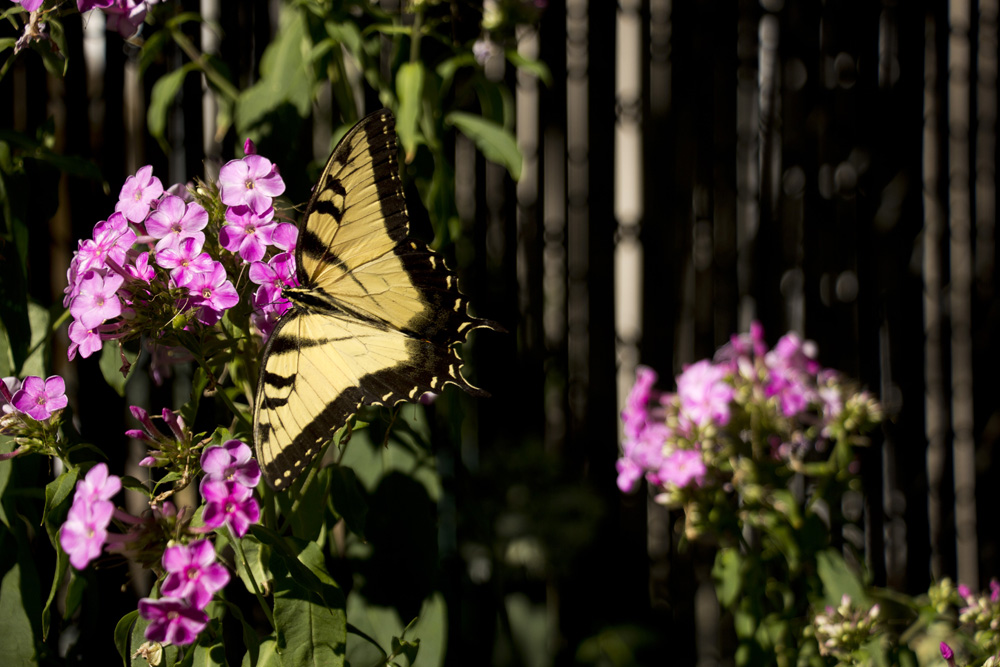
{"x": 376, "y": 316}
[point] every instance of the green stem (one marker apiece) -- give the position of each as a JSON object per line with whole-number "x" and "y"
{"x": 310, "y": 476}
{"x": 199, "y": 59}
{"x": 52, "y": 329}
{"x": 221, "y": 391}
{"x": 418, "y": 25}
{"x": 241, "y": 557}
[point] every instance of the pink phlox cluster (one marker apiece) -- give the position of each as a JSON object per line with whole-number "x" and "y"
{"x": 85, "y": 531}
{"x": 172, "y": 621}
{"x": 792, "y": 374}
{"x": 113, "y": 276}
{"x": 192, "y": 573}
{"x": 227, "y": 488}
{"x": 648, "y": 448}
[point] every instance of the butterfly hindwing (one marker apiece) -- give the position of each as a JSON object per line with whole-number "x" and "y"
{"x": 375, "y": 319}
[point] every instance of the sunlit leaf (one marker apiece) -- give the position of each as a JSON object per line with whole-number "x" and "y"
{"x": 496, "y": 143}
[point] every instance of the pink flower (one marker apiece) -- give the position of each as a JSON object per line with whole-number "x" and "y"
{"x": 39, "y": 399}
{"x": 229, "y": 503}
{"x": 173, "y": 621}
{"x": 30, "y": 5}
{"x": 173, "y": 221}
{"x": 248, "y": 232}
{"x": 185, "y": 260}
{"x": 85, "y": 339}
{"x": 192, "y": 573}
{"x": 704, "y": 394}
{"x": 141, "y": 270}
{"x": 212, "y": 293}
{"x": 682, "y": 468}
{"x": 98, "y": 299}
{"x": 252, "y": 181}
{"x": 285, "y": 236}
{"x": 85, "y": 531}
{"x": 138, "y": 193}
{"x": 231, "y": 462}
{"x": 97, "y": 485}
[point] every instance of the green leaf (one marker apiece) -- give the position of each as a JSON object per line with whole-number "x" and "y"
{"x": 111, "y": 366}
{"x": 286, "y": 74}
{"x": 208, "y": 652}
{"x": 39, "y": 320}
{"x": 62, "y": 564}
{"x": 7, "y": 43}
{"x": 536, "y": 67}
{"x": 53, "y": 51}
{"x": 163, "y": 96}
{"x": 838, "y": 579}
{"x": 267, "y": 657}
{"x": 133, "y": 484}
{"x": 253, "y": 550}
{"x": 348, "y": 499}
{"x": 57, "y": 493}
{"x": 310, "y": 620}
{"x": 496, "y": 143}
{"x": 728, "y": 580}
{"x": 409, "y": 90}
{"x": 18, "y": 630}
{"x": 122, "y": 633}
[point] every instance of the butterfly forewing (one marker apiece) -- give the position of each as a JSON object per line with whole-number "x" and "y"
{"x": 375, "y": 319}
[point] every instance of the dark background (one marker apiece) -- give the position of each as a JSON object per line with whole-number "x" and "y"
{"x": 824, "y": 167}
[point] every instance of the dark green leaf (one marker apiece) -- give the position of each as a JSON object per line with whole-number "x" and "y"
{"x": 18, "y": 630}
{"x": 122, "y": 633}
{"x": 111, "y": 366}
{"x": 132, "y": 484}
{"x": 838, "y": 579}
{"x": 286, "y": 75}
{"x": 348, "y": 498}
{"x": 536, "y": 67}
{"x": 496, "y": 143}
{"x": 728, "y": 579}
{"x": 162, "y": 98}
{"x": 62, "y": 564}
{"x": 409, "y": 90}
{"x": 57, "y": 493}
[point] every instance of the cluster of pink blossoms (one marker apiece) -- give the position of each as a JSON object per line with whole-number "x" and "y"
{"x": 192, "y": 575}
{"x": 149, "y": 263}
{"x": 123, "y": 16}
{"x": 666, "y": 434}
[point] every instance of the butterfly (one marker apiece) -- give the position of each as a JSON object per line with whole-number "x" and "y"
{"x": 374, "y": 320}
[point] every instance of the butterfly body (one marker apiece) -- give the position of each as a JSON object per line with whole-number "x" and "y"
{"x": 375, "y": 317}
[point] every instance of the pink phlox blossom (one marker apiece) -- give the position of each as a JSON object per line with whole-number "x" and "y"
{"x": 284, "y": 237}
{"x": 185, "y": 260}
{"x": 97, "y": 485}
{"x": 192, "y": 573}
{"x": 181, "y": 190}
{"x": 265, "y": 318}
{"x": 87, "y": 340}
{"x": 72, "y": 284}
{"x": 249, "y": 148}
{"x": 173, "y": 221}
{"x": 642, "y": 454}
{"x": 126, "y": 16}
{"x": 229, "y": 503}
{"x": 39, "y": 399}
{"x": 682, "y": 468}
{"x": 247, "y": 232}
{"x": 138, "y": 193}
{"x": 232, "y": 461}
{"x": 252, "y": 181}
{"x": 175, "y": 423}
{"x": 212, "y": 293}
{"x": 97, "y": 300}
{"x": 141, "y": 270}
{"x": 85, "y": 531}
{"x": 704, "y": 394}
{"x": 148, "y": 433}
{"x": 742, "y": 347}
{"x": 172, "y": 621}
{"x": 273, "y": 277}
{"x": 994, "y": 590}
{"x": 113, "y": 238}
